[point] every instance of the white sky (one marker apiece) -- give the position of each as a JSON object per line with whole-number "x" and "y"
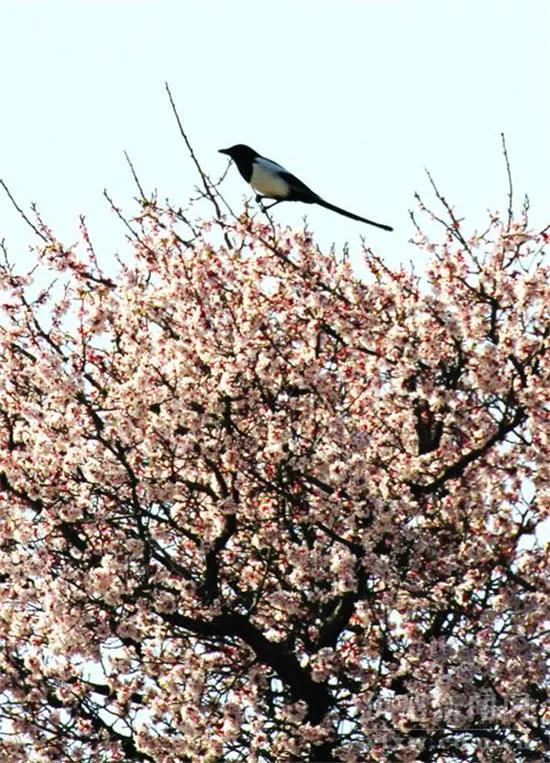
{"x": 355, "y": 97}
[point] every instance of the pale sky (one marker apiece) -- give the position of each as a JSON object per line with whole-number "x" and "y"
{"x": 355, "y": 97}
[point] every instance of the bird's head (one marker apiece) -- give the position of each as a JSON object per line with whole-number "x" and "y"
{"x": 240, "y": 152}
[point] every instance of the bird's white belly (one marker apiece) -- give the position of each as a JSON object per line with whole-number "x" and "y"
{"x": 267, "y": 183}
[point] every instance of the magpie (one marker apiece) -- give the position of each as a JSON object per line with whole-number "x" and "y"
{"x": 272, "y": 181}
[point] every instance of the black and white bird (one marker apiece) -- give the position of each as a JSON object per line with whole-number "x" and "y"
{"x": 271, "y": 181}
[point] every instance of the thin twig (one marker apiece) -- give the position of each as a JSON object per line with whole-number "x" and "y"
{"x": 134, "y": 175}
{"x": 192, "y": 154}
{"x": 120, "y": 216}
{"x": 266, "y": 213}
{"x": 414, "y": 222}
{"x": 509, "y": 174}
{"x": 453, "y": 229}
{"x": 21, "y": 212}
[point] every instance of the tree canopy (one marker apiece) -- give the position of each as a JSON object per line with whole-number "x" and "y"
{"x": 254, "y": 507}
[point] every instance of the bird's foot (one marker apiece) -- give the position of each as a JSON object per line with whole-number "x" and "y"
{"x": 271, "y": 205}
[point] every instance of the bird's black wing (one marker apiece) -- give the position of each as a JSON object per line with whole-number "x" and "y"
{"x": 298, "y": 191}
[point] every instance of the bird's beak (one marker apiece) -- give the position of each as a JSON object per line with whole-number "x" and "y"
{"x": 224, "y": 151}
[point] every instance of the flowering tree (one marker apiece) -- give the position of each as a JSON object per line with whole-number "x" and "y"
{"x": 255, "y": 508}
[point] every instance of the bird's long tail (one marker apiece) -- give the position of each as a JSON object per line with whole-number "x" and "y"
{"x": 344, "y": 212}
